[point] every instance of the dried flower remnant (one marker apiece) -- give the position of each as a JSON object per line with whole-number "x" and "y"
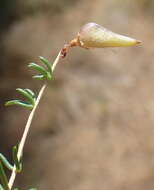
{"x": 92, "y": 35}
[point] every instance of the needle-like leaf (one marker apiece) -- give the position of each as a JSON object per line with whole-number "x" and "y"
{"x": 30, "y": 92}
{"x": 3, "y": 177}
{"x": 49, "y": 76}
{"x": 5, "y": 162}
{"x": 38, "y": 68}
{"x": 17, "y": 162}
{"x": 46, "y": 62}
{"x": 1, "y": 188}
{"x": 39, "y": 77}
{"x": 26, "y": 94}
{"x": 19, "y": 103}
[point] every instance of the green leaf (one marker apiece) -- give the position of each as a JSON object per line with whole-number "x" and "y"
{"x": 1, "y": 188}
{"x": 49, "y": 76}
{"x": 39, "y": 77}
{"x": 38, "y": 68}
{"x": 33, "y": 188}
{"x": 26, "y": 94}
{"x": 30, "y": 92}
{"x": 5, "y": 162}
{"x": 17, "y": 162}
{"x": 19, "y": 103}
{"x": 46, "y": 62}
{"x": 3, "y": 177}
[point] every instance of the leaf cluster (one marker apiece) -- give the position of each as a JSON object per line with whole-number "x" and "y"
{"x": 45, "y": 73}
{"x": 17, "y": 165}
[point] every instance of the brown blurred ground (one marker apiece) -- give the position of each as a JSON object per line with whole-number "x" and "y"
{"x": 94, "y": 128}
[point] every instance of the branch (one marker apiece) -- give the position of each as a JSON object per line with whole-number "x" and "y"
{"x": 28, "y": 124}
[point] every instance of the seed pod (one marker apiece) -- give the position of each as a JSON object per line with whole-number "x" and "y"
{"x": 93, "y": 35}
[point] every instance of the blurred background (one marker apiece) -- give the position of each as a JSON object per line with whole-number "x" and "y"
{"x": 94, "y": 128}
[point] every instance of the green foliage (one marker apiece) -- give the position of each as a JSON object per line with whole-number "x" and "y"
{"x": 3, "y": 178}
{"x": 27, "y": 94}
{"x": 44, "y": 73}
{"x": 4, "y": 162}
{"x": 17, "y": 162}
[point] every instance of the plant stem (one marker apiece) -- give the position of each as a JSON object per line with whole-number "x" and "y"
{"x": 28, "y": 124}
{"x": 23, "y": 139}
{"x": 59, "y": 56}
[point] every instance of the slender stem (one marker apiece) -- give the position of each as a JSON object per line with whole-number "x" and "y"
{"x": 27, "y": 127}
{"x": 23, "y": 139}
{"x": 56, "y": 61}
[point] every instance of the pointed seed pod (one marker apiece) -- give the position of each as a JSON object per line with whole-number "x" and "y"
{"x": 92, "y": 35}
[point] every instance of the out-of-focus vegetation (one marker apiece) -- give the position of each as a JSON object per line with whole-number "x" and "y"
{"x": 98, "y": 132}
